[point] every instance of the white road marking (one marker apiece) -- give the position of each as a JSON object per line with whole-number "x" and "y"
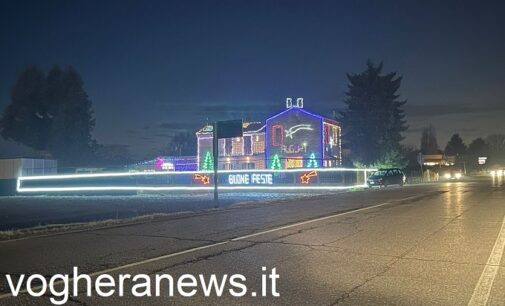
{"x": 208, "y": 246}
{"x": 482, "y": 290}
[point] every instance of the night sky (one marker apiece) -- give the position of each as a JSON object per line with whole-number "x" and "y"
{"x": 155, "y": 68}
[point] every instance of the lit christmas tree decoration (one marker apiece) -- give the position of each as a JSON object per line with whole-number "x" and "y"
{"x": 276, "y": 163}
{"x": 208, "y": 163}
{"x": 312, "y": 163}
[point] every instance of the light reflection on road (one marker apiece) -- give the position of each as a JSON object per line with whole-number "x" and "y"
{"x": 453, "y": 200}
{"x": 497, "y": 181}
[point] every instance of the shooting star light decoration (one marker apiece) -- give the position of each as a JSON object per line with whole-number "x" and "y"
{"x": 203, "y": 178}
{"x": 305, "y": 178}
{"x": 295, "y": 128}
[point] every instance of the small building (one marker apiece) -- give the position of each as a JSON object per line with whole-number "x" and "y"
{"x": 294, "y": 138}
{"x": 11, "y": 169}
{"x": 437, "y": 160}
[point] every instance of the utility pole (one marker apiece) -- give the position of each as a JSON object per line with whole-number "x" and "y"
{"x": 222, "y": 129}
{"x": 215, "y": 156}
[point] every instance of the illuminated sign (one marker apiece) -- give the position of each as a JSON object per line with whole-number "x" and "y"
{"x": 229, "y": 129}
{"x": 293, "y": 149}
{"x": 250, "y": 179}
{"x": 294, "y": 162}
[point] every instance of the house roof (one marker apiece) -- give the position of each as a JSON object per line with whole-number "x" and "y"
{"x": 327, "y": 120}
{"x": 259, "y": 127}
{"x": 247, "y": 127}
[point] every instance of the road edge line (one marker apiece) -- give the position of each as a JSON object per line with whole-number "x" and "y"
{"x": 482, "y": 290}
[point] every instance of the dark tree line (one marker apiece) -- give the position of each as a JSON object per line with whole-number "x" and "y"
{"x": 455, "y": 146}
{"x": 180, "y": 144}
{"x": 52, "y": 114}
{"x": 492, "y": 147}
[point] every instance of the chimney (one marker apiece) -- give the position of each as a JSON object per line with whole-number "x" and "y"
{"x": 299, "y": 102}
{"x": 289, "y": 103}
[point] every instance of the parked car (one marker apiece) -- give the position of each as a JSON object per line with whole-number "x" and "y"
{"x": 386, "y": 177}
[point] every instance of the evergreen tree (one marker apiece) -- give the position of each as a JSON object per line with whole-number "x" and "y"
{"x": 374, "y": 120}
{"x": 51, "y": 113}
{"x": 208, "y": 163}
{"x": 455, "y": 146}
{"x": 26, "y": 119}
{"x": 71, "y": 130}
{"x": 429, "y": 144}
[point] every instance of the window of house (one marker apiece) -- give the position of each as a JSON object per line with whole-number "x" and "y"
{"x": 277, "y": 135}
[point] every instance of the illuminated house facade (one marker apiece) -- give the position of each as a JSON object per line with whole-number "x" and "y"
{"x": 294, "y": 138}
{"x": 247, "y": 152}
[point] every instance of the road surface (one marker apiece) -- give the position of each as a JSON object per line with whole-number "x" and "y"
{"x": 428, "y": 244}
{"x": 18, "y": 212}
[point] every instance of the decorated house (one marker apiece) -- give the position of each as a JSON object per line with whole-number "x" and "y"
{"x": 246, "y": 152}
{"x": 294, "y": 138}
{"x": 301, "y": 139}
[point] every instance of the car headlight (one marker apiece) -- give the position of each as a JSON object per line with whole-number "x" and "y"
{"x": 447, "y": 175}
{"x": 458, "y": 175}
{"x": 499, "y": 173}
{"x": 493, "y": 173}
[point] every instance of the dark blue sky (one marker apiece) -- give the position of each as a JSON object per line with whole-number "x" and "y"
{"x": 151, "y": 68}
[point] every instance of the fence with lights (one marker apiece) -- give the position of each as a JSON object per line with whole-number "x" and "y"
{"x": 287, "y": 179}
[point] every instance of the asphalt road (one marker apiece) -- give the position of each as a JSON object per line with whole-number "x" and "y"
{"x": 19, "y": 212}
{"x": 432, "y": 244}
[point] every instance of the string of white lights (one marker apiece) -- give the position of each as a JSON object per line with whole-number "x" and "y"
{"x": 179, "y": 188}
{"x": 22, "y": 189}
{"x": 118, "y": 174}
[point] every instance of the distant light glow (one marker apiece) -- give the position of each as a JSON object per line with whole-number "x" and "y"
{"x": 158, "y": 164}
{"x": 497, "y": 172}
